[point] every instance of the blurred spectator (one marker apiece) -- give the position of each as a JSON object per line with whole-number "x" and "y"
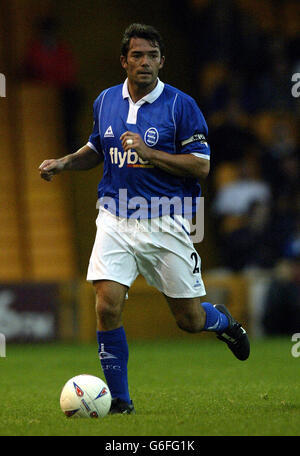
{"x": 283, "y": 220}
{"x": 241, "y": 209}
{"x": 244, "y": 55}
{"x": 214, "y": 29}
{"x": 292, "y": 244}
{"x": 254, "y": 245}
{"x": 281, "y": 315}
{"x": 231, "y": 139}
{"x": 237, "y": 197}
{"x": 290, "y": 174}
{"x": 49, "y": 60}
{"x": 280, "y": 160}
{"x": 273, "y": 88}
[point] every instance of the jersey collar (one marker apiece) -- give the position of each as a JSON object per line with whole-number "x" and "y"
{"x": 150, "y": 97}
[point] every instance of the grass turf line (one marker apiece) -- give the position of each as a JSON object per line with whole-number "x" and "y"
{"x": 180, "y": 388}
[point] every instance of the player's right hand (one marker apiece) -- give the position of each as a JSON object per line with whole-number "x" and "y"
{"x": 50, "y": 167}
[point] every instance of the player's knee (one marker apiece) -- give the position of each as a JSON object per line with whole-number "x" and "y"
{"x": 192, "y": 323}
{"x": 108, "y": 311}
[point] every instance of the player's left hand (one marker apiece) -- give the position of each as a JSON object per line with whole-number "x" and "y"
{"x": 134, "y": 141}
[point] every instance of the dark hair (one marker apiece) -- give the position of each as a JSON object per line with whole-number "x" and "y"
{"x": 141, "y": 31}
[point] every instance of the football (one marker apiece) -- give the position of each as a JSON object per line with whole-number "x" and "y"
{"x": 85, "y": 396}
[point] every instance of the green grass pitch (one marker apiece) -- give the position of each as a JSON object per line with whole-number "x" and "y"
{"x": 180, "y": 388}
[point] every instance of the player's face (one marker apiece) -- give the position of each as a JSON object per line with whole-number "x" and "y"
{"x": 143, "y": 62}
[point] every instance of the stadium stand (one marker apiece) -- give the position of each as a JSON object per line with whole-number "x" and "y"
{"x": 10, "y": 236}
{"x": 243, "y": 54}
{"x": 47, "y": 207}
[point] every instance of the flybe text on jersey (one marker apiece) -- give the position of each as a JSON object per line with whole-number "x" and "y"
{"x": 129, "y": 159}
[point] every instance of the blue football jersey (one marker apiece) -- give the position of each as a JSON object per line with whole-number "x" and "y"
{"x": 167, "y": 120}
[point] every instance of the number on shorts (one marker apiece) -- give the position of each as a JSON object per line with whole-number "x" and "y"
{"x": 194, "y": 257}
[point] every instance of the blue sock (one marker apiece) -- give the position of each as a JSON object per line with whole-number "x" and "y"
{"x": 215, "y": 320}
{"x": 113, "y": 354}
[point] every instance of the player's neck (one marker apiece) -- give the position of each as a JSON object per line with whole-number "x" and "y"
{"x": 137, "y": 92}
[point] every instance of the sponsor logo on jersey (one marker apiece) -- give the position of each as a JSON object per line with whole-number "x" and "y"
{"x": 128, "y": 158}
{"x": 151, "y": 137}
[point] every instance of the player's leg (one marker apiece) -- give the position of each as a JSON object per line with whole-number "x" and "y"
{"x": 188, "y": 313}
{"x": 173, "y": 266}
{"x": 110, "y": 299}
{"x": 193, "y": 317}
{"x": 112, "y": 342}
{"x": 112, "y": 270}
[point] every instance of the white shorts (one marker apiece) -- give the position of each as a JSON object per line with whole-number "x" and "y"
{"x": 159, "y": 249}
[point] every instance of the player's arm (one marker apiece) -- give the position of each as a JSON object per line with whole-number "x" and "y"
{"x": 84, "y": 159}
{"x": 179, "y": 165}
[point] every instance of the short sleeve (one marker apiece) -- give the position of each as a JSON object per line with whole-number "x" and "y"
{"x": 94, "y": 139}
{"x": 191, "y": 128}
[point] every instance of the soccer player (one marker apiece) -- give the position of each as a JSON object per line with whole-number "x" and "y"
{"x": 153, "y": 140}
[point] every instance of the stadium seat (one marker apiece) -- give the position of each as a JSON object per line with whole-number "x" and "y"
{"x": 10, "y": 241}
{"x": 48, "y": 213}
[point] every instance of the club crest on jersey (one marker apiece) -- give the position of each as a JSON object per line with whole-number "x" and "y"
{"x": 151, "y": 137}
{"x": 78, "y": 390}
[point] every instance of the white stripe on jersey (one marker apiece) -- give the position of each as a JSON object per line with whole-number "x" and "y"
{"x": 173, "y": 117}
{"x": 207, "y": 157}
